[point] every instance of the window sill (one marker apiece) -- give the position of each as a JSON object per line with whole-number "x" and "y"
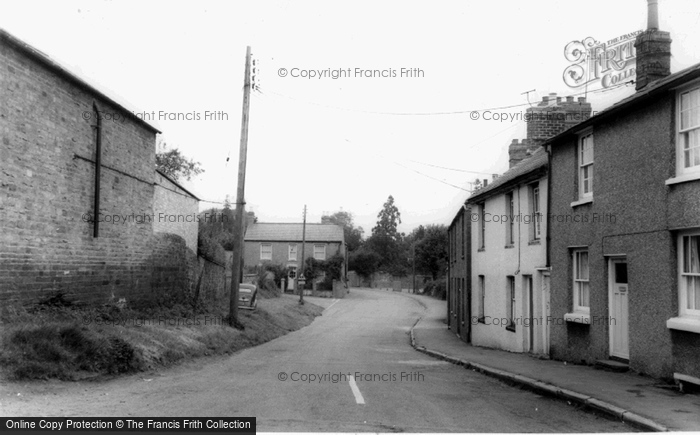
{"x": 582, "y": 202}
{"x": 582, "y": 318}
{"x": 509, "y": 246}
{"x": 481, "y": 250}
{"x": 534, "y": 242}
{"x": 510, "y": 328}
{"x": 481, "y": 319}
{"x": 689, "y": 324}
{"x": 683, "y": 178}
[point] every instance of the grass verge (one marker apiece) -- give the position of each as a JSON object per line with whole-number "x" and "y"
{"x": 71, "y": 344}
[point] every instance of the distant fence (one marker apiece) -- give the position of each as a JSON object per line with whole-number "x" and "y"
{"x": 387, "y": 281}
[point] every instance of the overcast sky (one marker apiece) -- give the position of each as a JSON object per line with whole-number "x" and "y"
{"x": 345, "y": 143}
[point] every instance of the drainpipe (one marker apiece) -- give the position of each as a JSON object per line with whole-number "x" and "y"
{"x": 547, "y": 250}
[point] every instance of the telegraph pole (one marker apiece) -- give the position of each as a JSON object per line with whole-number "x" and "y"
{"x": 303, "y": 244}
{"x": 240, "y": 202}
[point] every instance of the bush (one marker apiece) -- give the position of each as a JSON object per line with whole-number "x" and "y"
{"x": 436, "y": 289}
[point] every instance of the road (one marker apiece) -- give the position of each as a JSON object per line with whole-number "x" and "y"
{"x": 361, "y": 342}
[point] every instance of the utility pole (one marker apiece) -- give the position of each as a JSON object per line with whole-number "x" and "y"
{"x": 414, "y": 266}
{"x": 303, "y": 278}
{"x": 240, "y": 202}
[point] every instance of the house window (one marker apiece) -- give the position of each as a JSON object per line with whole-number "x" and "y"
{"x": 510, "y": 297}
{"x": 536, "y": 212}
{"x": 689, "y": 283}
{"x": 585, "y": 163}
{"x": 689, "y": 132}
{"x": 510, "y": 210}
{"x": 266, "y": 251}
{"x": 320, "y": 252}
{"x": 581, "y": 284}
{"x": 482, "y": 225}
{"x": 482, "y": 297}
{"x": 464, "y": 230}
{"x": 293, "y": 252}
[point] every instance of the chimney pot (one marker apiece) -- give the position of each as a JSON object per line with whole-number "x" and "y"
{"x": 558, "y": 100}
{"x": 514, "y": 142}
{"x": 569, "y": 99}
{"x": 652, "y": 14}
{"x": 486, "y": 182}
{"x": 581, "y": 99}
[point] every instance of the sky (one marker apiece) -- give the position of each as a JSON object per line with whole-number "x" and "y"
{"x": 343, "y": 143}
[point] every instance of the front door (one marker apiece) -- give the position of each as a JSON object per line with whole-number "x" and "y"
{"x": 619, "y": 308}
{"x": 545, "y": 313}
{"x": 292, "y": 278}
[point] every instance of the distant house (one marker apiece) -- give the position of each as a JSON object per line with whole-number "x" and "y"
{"x": 281, "y": 243}
{"x": 459, "y": 294}
{"x": 625, "y": 244}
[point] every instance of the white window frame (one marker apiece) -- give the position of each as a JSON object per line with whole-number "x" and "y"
{"x": 681, "y": 170}
{"x": 684, "y": 276}
{"x": 482, "y": 297}
{"x": 583, "y": 165}
{"x": 579, "y": 283}
{"x": 318, "y": 246}
{"x": 511, "y": 304}
{"x": 293, "y": 252}
{"x": 265, "y": 255}
{"x": 510, "y": 212}
{"x": 482, "y": 225}
{"x": 536, "y": 196}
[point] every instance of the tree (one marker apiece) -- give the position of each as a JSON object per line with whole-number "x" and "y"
{"x": 353, "y": 236}
{"x": 431, "y": 250}
{"x": 173, "y": 164}
{"x": 364, "y": 261}
{"x": 386, "y": 239}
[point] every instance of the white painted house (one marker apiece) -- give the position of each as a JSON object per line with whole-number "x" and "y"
{"x": 509, "y": 278}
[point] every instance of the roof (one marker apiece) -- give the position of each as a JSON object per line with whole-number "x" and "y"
{"x": 290, "y": 232}
{"x": 61, "y": 70}
{"x": 162, "y": 174}
{"x": 537, "y": 161}
{"x": 652, "y": 90}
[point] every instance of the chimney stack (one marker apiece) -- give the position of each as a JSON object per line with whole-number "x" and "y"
{"x": 653, "y": 50}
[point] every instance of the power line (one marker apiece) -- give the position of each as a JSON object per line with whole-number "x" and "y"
{"x": 455, "y": 112}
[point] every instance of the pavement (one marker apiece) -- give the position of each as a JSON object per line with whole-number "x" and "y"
{"x": 644, "y": 402}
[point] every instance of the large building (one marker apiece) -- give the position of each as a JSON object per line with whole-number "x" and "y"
{"x": 77, "y": 192}
{"x": 625, "y": 255}
{"x": 499, "y": 276}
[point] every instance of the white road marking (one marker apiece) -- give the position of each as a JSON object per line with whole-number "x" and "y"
{"x": 356, "y": 391}
{"x": 329, "y": 307}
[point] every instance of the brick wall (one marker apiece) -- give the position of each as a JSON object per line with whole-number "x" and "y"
{"x": 47, "y": 170}
{"x": 175, "y": 211}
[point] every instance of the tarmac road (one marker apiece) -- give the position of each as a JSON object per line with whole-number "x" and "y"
{"x": 351, "y": 370}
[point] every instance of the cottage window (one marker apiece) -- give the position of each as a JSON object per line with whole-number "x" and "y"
{"x": 292, "y": 252}
{"x": 688, "y": 283}
{"x": 690, "y": 275}
{"x": 320, "y": 252}
{"x": 689, "y": 132}
{"x": 536, "y": 212}
{"x": 266, "y": 251}
{"x": 510, "y": 210}
{"x": 482, "y": 297}
{"x": 581, "y": 284}
{"x": 482, "y": 225}
{"x": 510, "y": 289}
{"x": 585, "y": 162}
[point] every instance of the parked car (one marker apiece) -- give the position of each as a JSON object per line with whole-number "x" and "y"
{"x": 247, "y": 296}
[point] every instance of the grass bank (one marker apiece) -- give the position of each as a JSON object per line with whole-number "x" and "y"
{"x": 69, "y": 343}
